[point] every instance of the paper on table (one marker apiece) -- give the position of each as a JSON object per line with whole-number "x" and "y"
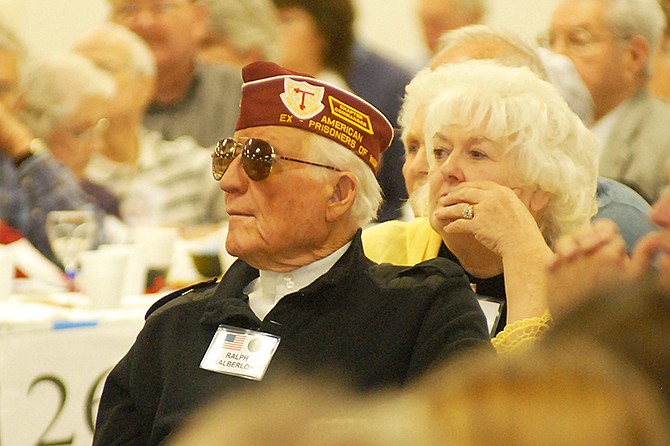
{"x": 37, "y": 267}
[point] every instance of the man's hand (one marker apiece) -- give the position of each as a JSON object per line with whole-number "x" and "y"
{"x": 589, "y": 261}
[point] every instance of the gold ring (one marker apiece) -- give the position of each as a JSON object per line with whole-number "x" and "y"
{"x": 469, "y": 212}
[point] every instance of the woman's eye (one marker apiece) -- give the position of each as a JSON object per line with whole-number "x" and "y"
{"x": 477, "y": 154}
{"x": 411, "y": 149}
{"x": 440, "y": 153}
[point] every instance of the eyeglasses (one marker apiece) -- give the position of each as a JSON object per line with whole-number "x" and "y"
{"x": 576, "y": 41}
{"x": 130, "y": 10}
{"x": 258, "y": 156}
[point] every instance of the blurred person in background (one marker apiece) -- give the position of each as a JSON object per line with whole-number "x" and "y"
{"x": 316, "y": 38}
{"x": 32, "y": 181}
{"x": 240, "y": 31}
{"x": 612, "y": 44}
{"x": 64, "y": 101}
{"x": 159, "y": 182}
{"x": 631, "y": 319}
{"x": 571, "y": 392}
{"x": 323, "y": 31}
{"x": 191, "y": 97}
{"x": 439, "y": 16}
{"x": 308, "y": 411}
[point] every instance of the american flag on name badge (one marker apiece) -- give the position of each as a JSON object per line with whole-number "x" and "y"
{"x": 234, "y": 341}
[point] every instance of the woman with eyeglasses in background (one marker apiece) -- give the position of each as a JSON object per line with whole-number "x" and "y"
{"x": 64, "y": 99}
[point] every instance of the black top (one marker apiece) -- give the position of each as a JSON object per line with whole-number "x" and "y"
{"x": 492, "y": 287}
{"x": 370, "y": 325}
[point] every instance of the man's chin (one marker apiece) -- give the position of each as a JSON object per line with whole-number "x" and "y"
{"x": 234, "y": 248}
{"x": 241, "y": 244}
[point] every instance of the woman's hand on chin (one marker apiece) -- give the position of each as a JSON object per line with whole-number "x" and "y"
{"x": 500, "y": 220}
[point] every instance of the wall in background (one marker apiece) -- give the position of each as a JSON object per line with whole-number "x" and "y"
{"x": 392, "y": 26}
{"x": 388, "y": 25}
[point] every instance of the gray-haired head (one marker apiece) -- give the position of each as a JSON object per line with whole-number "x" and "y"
{"x": 246, "y": 25}
{"x": 54, "y": 87}
{"x": 141, "y": 59}
{"x": 628, "y": 18}
{"x": 484, "y": 42}
{"x": 508, "y": 48}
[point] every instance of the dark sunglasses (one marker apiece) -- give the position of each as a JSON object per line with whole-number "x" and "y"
{"x": 258, "y": 156}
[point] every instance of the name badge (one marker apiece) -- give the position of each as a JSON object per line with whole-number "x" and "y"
{"x": 239, "y": 352}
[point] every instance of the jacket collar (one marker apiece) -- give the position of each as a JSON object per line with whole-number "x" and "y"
{"x": 230, "y": 306}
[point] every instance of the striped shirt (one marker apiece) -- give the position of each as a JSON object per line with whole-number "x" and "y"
{"x": 171, "y": 185}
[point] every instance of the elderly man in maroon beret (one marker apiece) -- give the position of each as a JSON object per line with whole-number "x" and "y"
{"x": 299, "y": 181}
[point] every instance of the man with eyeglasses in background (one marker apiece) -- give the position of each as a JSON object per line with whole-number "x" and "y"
{"x": 611, "y": 43}
{"x": 192, "y": 97}
{"x": 299, "y": 182}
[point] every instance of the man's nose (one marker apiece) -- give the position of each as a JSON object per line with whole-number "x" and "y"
{"x": 234, "y": 177}
{"x": 451, "y": 167}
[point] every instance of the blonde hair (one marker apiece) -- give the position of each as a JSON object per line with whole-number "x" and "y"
{"x": 306, "y": 411}
{"x": 575, "y": 393}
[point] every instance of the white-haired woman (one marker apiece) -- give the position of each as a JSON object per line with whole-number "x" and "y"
{"x": 64, "y": 101}
{"x": 511, "y": 168}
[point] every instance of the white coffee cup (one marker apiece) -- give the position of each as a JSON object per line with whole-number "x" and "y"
{"x": 158, "y": 248}
{"x": 136, "y": 269}
{"x": 102, "y": 277}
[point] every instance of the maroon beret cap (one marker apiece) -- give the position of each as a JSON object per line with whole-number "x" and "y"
{"x": 272, "y": 95}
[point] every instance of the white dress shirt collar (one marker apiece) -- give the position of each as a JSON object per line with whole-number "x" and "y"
{"x": 265, "y": 291}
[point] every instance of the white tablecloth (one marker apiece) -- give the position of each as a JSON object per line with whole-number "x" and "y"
{"x": 54, "y": 358}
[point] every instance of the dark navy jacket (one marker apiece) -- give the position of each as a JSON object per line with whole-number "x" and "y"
{"x": 371, "y": 325}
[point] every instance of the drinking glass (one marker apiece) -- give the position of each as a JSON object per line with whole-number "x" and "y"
{"x": 70, "y": 233}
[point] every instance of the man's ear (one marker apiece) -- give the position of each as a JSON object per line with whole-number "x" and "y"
{"x": 638, "y": 55}
{"x": 342, "y": 197}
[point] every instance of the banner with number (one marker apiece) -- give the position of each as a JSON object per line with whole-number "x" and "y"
{"x": 51, "y": 380}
